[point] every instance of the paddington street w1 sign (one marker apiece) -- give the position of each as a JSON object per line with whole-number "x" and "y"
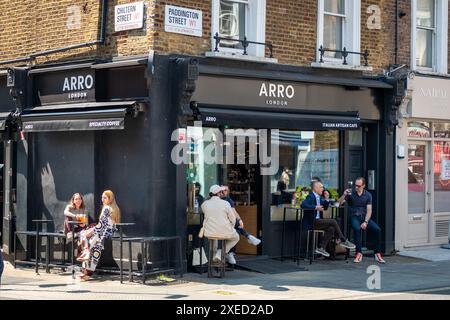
{"x": 183, "y": 20}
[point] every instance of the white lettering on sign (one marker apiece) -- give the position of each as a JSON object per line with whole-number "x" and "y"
{"x": 211, "y": 119}
{"x": 434, "y": 93}
{"x": 75, "y": 83}
{"x": 278, "y": 93}
{"x": 110, "y": 123}
{"x": 183, "y": 20}
{"x": 340, "y": 125}
{"x": 129, "y": 16}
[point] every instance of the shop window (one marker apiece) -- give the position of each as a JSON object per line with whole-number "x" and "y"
{"x": 419, "y": 129}
{"x": 304, "y": 155}
{"x": 237, "y": 19}
{"x": 338, "y": 26}
{"x": 441, "y": 164}
{"x": 429, "y": 38}
{"x": 441, "y": 130}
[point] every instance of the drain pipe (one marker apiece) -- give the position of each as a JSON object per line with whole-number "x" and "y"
{"x": 100, "y": 40}
{"x": 397, "y": 31}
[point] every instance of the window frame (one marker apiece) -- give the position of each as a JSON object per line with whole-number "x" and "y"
{"x": 351, "y": 31}
{"x": 255, "y": 26}
{"x": 440, "y": 38}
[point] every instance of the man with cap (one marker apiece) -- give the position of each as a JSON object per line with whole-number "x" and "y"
{"x": 219, "y": 221}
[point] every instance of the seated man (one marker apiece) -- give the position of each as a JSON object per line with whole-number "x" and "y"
{"x": 314, "y": 206}
{"x": 219, "y": 222}
{"x": 360, "y": 207}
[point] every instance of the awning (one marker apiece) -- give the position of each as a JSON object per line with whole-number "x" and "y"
{"x": 76, "y": 117}
{"x": 279, "y": 120}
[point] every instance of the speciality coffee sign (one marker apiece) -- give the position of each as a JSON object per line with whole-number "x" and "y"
{"x": 129, "y": 16}
{"x": 183, "y": 20}
{"x": 76, "y": 85}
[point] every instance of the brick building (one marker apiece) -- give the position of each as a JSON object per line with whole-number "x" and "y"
{"x": 335, "y": 120}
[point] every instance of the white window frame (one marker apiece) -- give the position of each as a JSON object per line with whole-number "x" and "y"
{"x": 351, "y": 30}
{"x": 440, "y": 53}
{"x": 255, "y": 27}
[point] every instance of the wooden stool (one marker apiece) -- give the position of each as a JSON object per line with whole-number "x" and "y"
{"x": 221, "y": 265}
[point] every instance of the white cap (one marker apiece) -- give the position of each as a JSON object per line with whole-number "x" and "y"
{"x": 215, "y": 189}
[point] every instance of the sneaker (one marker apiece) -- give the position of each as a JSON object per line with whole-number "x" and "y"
{"x": 358, "y": 257}
{"x": 379, "y": 259}
{"x": 322, "y": 252}
{"x": 253, "y": 240}
{"x": 230, "y": 258}
{"x": 347, "y": 244}
{"x": 217, "y": 257}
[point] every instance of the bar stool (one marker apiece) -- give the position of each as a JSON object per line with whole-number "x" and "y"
{"x": 211, "y": 264}
{"x": 315, "y": 242}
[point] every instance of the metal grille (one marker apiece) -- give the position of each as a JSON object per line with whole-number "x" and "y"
{"x": 441, "y": 228}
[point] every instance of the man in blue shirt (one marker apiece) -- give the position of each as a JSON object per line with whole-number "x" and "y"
{"x": 360, "y": 207}
{"x": 313, "y": 206}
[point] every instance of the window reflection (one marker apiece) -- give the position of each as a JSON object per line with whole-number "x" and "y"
{"x": 304, "y": 156}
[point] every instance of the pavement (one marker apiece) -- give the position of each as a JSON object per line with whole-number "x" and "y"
{"x": 401, "y": 278}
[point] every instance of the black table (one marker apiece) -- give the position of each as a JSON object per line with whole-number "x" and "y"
{"x": 144, "y": 241}
{"x": 38, "y": 222}
{"x": 120, "y": 229}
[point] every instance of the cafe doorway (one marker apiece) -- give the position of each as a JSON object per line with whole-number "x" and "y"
{"x": 224, "y": 156}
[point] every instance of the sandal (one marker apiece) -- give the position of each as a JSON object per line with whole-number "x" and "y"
{"x": 84, "y": 277}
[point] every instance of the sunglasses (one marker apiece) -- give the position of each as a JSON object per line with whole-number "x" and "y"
{"x": 358, "y": 186}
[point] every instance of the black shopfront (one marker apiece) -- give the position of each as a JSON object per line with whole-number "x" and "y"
{"x": 327, "y": 124}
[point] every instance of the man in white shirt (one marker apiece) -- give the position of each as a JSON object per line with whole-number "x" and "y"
{"x": 219, "y": 222}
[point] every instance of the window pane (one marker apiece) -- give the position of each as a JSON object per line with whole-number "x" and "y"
{"x": 232, "y": 23}
{"x": 332, "y": 35}
{"x": 416, "y": 178}
{"x": 441, "y": 157}
{"x": 425, "y": 13}
{"x": 335, "y": 6}
{"x": 419, "y": 129}
{"x": 303, "y": 155}
{"x": 424, "y": 48}
{"x": 441, "y": 130}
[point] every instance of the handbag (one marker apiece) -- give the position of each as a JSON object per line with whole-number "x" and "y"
{"x": 196, "y": 257}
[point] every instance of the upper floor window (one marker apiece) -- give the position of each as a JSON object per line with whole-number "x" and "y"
{"x": 333, "y": 26}
{"x": 429, "y": 38}
{"x": 338, "y": 26}
{"x": 236, "y": 19}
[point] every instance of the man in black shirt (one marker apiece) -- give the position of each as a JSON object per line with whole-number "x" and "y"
{"x": 360, "y": 207}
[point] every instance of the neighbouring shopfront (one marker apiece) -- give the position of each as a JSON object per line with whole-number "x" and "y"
{"x": 423, "y": 158}
{"x": 330, "y": 126}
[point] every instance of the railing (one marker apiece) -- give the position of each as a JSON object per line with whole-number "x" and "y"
{"x": 345, "y": 54}
{"x": 245, "y": 43}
